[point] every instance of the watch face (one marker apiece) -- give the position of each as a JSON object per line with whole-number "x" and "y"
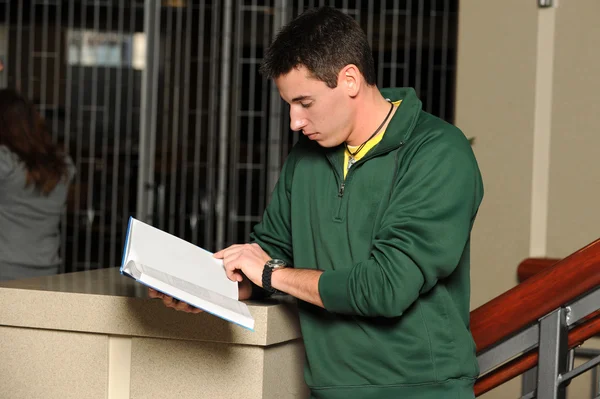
{"x": 276, "y": 263}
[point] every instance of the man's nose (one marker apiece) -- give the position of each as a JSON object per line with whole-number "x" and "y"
{"x": 297, "y": 122}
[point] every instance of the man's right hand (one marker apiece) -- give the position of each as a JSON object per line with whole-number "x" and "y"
{"x": 171, "y": 302}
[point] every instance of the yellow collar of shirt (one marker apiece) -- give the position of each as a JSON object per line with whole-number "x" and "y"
{"x": 367, "y": 147}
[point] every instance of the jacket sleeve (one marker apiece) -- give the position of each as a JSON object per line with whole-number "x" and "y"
{"x": 273, "y": 233}
{"x": 422, "y": 238}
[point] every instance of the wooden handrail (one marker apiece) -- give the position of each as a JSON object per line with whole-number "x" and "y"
{"x": 537, "y": 296}
{"x": 532, "y": 266}
{"x": 527, "y": 361}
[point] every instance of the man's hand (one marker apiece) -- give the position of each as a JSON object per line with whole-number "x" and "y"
{"x": 244, "y": 259}
{"x": 170, "y": 302}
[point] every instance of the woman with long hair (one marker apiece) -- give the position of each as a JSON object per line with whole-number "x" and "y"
{"x": 34, "y": 181}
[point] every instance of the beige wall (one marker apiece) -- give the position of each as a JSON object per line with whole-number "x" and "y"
{"x": 529, "y": 94}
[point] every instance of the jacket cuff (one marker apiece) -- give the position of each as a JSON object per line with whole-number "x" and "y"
{"x": 333, "y": 289}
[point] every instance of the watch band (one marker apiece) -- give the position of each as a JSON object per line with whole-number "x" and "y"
{"x": 266, "y": 277}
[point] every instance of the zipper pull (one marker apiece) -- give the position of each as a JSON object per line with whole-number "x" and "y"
{"x": 341, "y": 193}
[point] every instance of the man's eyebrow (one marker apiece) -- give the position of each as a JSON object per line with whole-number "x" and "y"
{"x": 300, "y": 98}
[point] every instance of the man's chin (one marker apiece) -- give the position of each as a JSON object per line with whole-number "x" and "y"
{"x": 327, "y": 143}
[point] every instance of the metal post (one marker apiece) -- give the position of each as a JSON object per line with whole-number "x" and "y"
{"x": 147, "y": 144}
{"x": 553, "y": 352}
{"x": 224, "y": 122}
{"x": 529, "y": 381}
{"x": 275, "y": 108}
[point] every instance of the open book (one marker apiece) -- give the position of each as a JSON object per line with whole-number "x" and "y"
{"x": 182, "y": 270}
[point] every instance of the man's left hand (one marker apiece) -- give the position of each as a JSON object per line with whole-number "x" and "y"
{"x": 248, "y": 259}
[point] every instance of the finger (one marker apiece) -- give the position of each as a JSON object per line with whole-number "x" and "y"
{"x": 186, "y": 307}
{"x": 234, "y": 275}
{"x": 182, "y": 306}
{"x": 154, "y": 294}
{"x": 232, "y": 248}
{"x": 169, "y": 301}
{"x": 232, "y": 268}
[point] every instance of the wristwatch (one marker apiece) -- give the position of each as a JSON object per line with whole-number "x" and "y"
{"x": 270, "y": 267}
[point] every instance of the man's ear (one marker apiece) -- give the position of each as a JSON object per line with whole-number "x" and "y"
{"x": 350, "y": 78}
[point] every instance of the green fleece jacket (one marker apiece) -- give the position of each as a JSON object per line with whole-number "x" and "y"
{"x": 393, "y": 241}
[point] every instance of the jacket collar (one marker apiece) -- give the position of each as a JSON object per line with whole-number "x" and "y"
{"x": 398, "y": 131}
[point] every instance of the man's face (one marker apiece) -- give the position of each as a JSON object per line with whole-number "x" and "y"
{"x": 321, "y": 113}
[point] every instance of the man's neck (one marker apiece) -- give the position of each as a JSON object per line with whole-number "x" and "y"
{"x": 370, "y": 113}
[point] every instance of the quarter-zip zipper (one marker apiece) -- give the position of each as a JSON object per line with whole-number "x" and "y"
{"x": 342, "y": 183}
{"x": 359, "y": 162}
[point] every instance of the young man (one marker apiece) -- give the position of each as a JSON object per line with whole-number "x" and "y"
{"x": 369, "y": 225}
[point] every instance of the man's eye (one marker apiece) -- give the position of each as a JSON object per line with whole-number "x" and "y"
{"x": 305, "y": 105}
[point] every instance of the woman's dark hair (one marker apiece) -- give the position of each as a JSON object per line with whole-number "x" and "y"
{"x": 24, "y": 132}
{"x": 323, "y": 40}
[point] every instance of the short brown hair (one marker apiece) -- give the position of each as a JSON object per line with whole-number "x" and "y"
{"x": 323, "y": 40}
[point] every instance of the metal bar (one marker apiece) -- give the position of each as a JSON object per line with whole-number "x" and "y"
{"x": 147, "y": 139}
{"x": 79, "y": 139}
{"x": 284, "y": 124}
{"x": 104, "y": 207}
{"x": 552, "y": 354}
{"x": 31, "y": 78}
{"x": 129, "y": 121}
{"x": 529, "y": 381}
{"x": 198, "y": 121}
{"x": 264, "y": 122}
{"x": 419, "y": 48}
{"x": 44, "y": 62}
{"x": 19, "y": 45}
{"x": 394, "y": 44}
{"x": 275, "y": 114}
{"x": 407, "y": 46}
{"x": 57, "y": 59}
{"x": 233, "y": 172}
{"x": 587, "y": 352}
{"x": 185, "y": 119}
{"x": 563, "y": 378}
{"x": 583, "y": 307}
{"x": 56, "y": 102}
{"x": 117, "y": 142}
{"x": 91, "y": 211}
{"x": 67, "y": 132}
{"x": 250, "y": 145}
{"x": 431, "y": 60}
{"x": 530, "y": 395}
{"x": 162, "y": 214}
{"x": 212, "y": 125}
{"x": 444, "y": 68}
{"x": 175, "y": 119}
{"x": 381, "y": 46}
{"x": 570, "y": 359}
{"x": 223, "y": 125}
{"x": 595, "y": 389}
{"x": 522, "y": 342}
